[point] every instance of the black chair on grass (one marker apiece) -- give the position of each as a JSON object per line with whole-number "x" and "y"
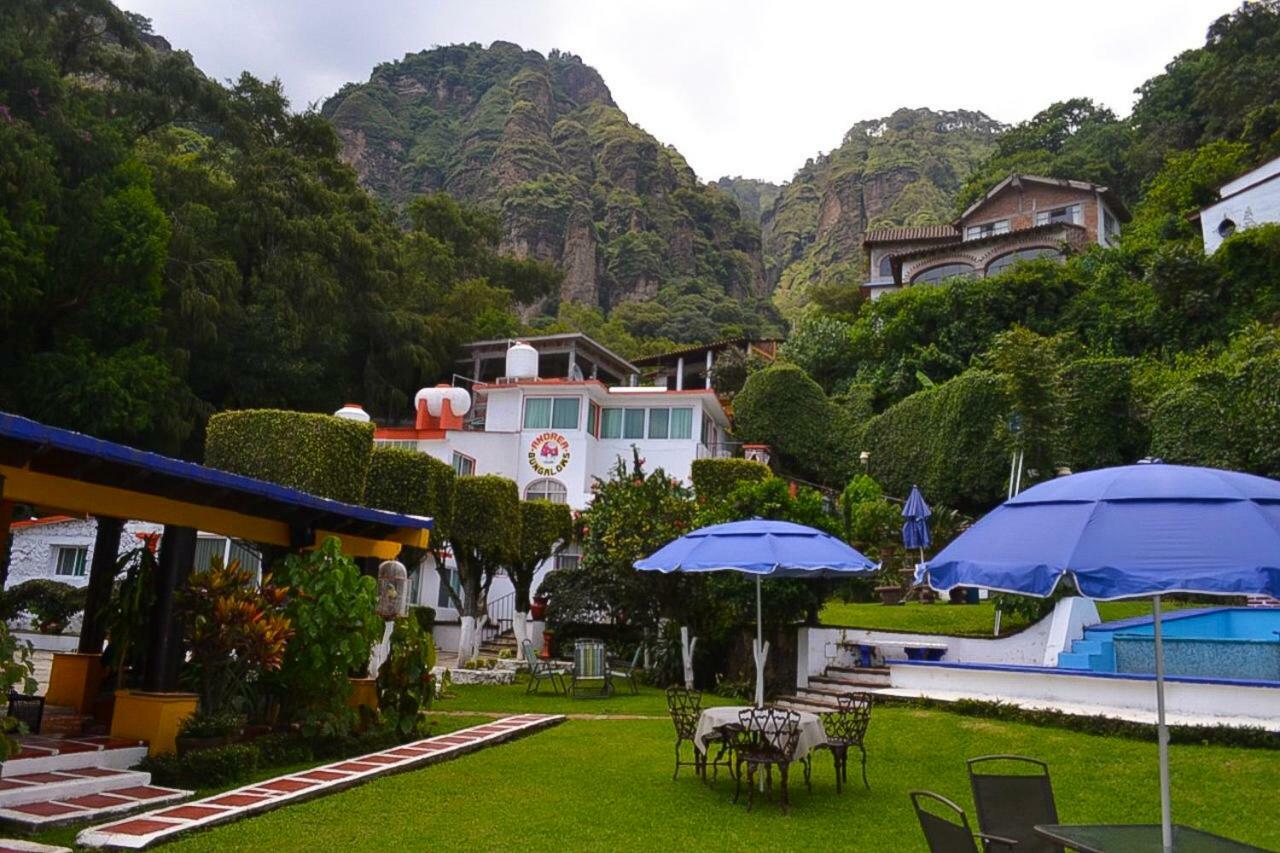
{"x": 946, "y": 829}
{"x": 845, "y": 727}
{"x": 1012, "y": 793}
{"x": 685, "y": 706}
{"x": 768, "y": 739}
{"x": 27, "y": 709}
{"x": 542, "y": 670}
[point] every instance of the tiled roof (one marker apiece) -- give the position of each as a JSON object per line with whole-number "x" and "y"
{"x": 1065, "y": 229}
{"x": 911, "y": 234}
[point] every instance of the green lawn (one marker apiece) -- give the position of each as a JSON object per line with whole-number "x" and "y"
{"x": 606, "y": 785}
{"x": 513, "y": 699}
{"x": 962, "y": 620}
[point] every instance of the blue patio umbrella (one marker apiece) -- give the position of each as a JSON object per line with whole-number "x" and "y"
{"x": 915, "y": 527}
{"x": 773, "y": 549}
{"x": 1135, "y": 530}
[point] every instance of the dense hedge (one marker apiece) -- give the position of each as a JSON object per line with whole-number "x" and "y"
{"x": 714, "y": 479}
{"x": 487, "y": 515}
{"x": 782, "y": 407}
{"x": 946, "y": 440}
{"x": 407, "y": 481}
{"x": 1101, "y": 423}
{"x": 319, "y": 454}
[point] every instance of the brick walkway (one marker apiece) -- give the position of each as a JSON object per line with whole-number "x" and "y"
{"x": 158, "y": 825}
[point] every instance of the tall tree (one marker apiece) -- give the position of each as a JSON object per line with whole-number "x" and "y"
{"x": 485, "y": 537}
{"x": 544, "y": 528}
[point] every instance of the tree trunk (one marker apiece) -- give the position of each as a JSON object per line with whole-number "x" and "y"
{"x": 520, "y": 624}
{"x": 466, "y": 640}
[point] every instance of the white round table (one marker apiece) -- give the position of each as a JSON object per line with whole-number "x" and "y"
{"x": 812, "y": 734}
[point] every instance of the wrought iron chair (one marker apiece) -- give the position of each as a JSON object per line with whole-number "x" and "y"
{"x": 1012, "y": 793}
{"x": 685, "y": 706}
{"x": 950, "y": 832}
{"x": 768, "y": 739}
{"x": 590, "y": 664}
{"x": 845, "y": 727}
{"x": 627, "y": 672}
{"x": 27, "y": 709}
{"x": 542, "y": 670}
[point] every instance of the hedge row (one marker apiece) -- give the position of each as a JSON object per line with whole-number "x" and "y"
{"x": 1101, "y": 423}
{"x": 318, "y": 454}
{"x": 714, "y": 479}
{"x": 406, "y": 481}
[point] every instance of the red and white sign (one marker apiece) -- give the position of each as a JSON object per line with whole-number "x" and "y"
{"x": 549, "y": 453}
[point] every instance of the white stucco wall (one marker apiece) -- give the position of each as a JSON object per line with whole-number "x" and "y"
{"x": 35, "y": 546}
{"x": 1252, "y": 199}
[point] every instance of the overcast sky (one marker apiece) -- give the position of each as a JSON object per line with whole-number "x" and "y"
{"x": 750, "y": 87}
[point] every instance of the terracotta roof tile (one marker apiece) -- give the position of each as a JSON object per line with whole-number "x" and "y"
{"x": 913, "y": 233}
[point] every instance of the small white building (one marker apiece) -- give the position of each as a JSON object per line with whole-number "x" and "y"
{"x": 1251, "y": 199}
{"x": 553, "y": 436}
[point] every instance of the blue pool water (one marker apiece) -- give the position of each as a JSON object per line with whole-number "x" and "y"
{"x": 1218, "y": 642}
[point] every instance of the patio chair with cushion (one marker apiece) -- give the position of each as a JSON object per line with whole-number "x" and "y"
{"x": 1012, "y": 794}
{"x": 27, "y": 709}
{"x": 590, "y": 664}
{"x": 946, "y": 829}
{"x": 768, "y": 739}
{"x": 620, "y": 669}
{"x": 542, "y": 670}
{"x": 845, "y": 727}
{"x": 685, "y": 706}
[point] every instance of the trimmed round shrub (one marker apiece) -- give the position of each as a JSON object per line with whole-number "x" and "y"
{"x": 406, "y": 481}
{"x": 318, "y": 454}
{"x": 715, "y": 479}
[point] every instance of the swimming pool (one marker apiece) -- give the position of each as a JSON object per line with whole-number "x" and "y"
{"x": 1217, "y": 642}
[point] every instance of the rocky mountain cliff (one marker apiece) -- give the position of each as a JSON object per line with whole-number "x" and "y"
{"x": 540, "y": 141}
{"x": 903, "y": 169}
{"x": 753, "y": 196}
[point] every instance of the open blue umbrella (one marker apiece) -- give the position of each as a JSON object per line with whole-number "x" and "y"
{"x": 915, "y": 527}
{"x": 1135, "y": 530}
{"x": 774, "y": 549}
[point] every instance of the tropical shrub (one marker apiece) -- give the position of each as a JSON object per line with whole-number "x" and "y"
{"x": 406, "y": 686}
{"x": 217, "y": 767}
{"x": 51, "y": 603}
{"x": 331, "y": 609}
{"x": 17, "y": 671}
{"x": 132, "y": 599}
{"x": 714, "y": 479}
{"x": 235, "y": 630}
{"x": 318, "y": 454}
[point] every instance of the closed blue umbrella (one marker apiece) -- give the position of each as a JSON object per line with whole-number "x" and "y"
{"x": 775, "y": 549}
{"x": 1135, "y": 530}
{"x": 915, "y": 527}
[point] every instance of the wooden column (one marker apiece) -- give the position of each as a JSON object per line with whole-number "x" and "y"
{"x": 164, "y": 655}
{"x": 106, "y": 550}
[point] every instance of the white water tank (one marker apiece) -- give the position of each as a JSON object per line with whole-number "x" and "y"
{"x": 352, "y": 412}
{"x": 459, "y": 400}
{"x": 522, "y": 361}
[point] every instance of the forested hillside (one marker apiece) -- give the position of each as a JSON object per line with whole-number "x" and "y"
{"x": 540, "y": 142}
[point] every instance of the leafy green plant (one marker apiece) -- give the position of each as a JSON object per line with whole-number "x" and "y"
{"x": 216, "y": 767}
{"x": 132, "y": 598}
{"x": 714, "y": 479}
{"x": 318, "y": 454}
{"x": 236, "y": 632}
{"x": 406, "y": 687}
{"x": 17, "y": 672}
{"x": 485, "y": 534}
{"x": 51, "y": 603}
{"x": 213, "y": 724}
{"x": 331, "y": 608}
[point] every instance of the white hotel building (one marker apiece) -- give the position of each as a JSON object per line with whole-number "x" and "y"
{"x": 552, "y": 414}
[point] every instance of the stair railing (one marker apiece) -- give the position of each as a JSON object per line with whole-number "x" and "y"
{"x": 501, "y": 614}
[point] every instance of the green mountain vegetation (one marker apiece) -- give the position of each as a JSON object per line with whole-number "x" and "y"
{"x": 540, "y": 143}
{"x": 753, "y": 196}
{"x": 903, "y": 169}
{"x": 1148, "y": 348}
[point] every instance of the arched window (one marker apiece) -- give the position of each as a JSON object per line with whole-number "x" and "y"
{"x": 886, "y": 266}
{"x": 1005, "y": 261}
{"x": 547, "y": 490}
{"x": 945, "y": 271}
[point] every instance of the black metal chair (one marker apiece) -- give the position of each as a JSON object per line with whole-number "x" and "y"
{"x": 1011, "y": 794}
{"x": 949, "y": 831}
{"x": 542, "y": 670}
{"x": 685, "y": 706}
{"x": 768, "y": 739}
{"x": 28, "y": 710}
{"x": 845, "y": 727}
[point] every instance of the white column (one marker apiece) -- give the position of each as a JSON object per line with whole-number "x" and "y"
{"x": 680, "y": 373}
{"x": 708, "y": 385}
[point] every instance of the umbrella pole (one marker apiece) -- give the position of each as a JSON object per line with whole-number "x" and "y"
{"x": 1162, "y": 735}
{"x": 759, "y": 655}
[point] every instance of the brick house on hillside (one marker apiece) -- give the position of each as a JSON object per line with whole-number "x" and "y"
{"x": 1022, "y": 217}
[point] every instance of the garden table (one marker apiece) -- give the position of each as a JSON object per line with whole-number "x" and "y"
{"x": 812, "y": 734}
{"x": 1139, "y": 838}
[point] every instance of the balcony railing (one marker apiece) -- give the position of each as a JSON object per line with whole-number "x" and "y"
{"x": 720, "y": 450}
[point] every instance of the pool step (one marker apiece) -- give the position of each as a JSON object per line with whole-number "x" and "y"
{"x": 1098, "y": 655}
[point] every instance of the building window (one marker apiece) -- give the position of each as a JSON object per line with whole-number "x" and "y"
{"x": 537, "y": 413}
{"x": 659, "y": 422}
{"x": 611, "y": 423}
{"x": 1005, "y": 261}
{"x": 633, "y": 423}
{"x": 987, "y": 229}
{"x": 403, "y": 444}
{"x": 564, "y": 413}
{"x": 463, "y": 465}
{"x": 208, "y": 548}
{"x": 1110, "y": 225}
{"x": 1069, "y": 214}
{"x": 547, "y": 490}
{"x": 1226, "y": 228}
{"x": 69, "y": 560}
{"x": 593, "y": 419}
{"x": 568, "y": 558}
{"x": 886, "y": 266}
{"x": 682, "y": 423}
{"x": 449, "y": 580}
{"x": 247, "y": 557}
{"x": 940, "y": 273}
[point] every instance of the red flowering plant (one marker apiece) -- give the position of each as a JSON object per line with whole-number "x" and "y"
{"x": 236, "y": 630}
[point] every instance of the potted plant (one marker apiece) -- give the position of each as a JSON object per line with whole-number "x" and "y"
{"x": 548, "y": 640}
{"x": 538, "y": 608}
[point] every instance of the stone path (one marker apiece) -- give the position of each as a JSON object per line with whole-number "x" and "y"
{"x": 158, "y": 825}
